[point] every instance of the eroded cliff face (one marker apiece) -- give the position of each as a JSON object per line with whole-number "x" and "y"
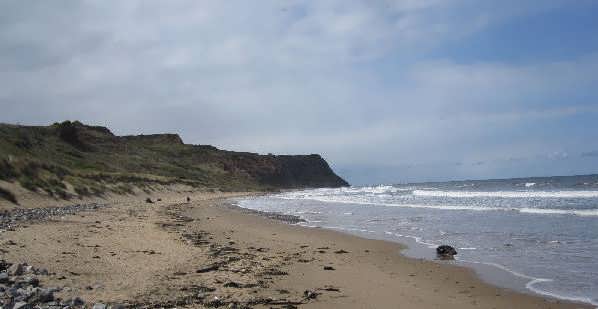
{"x": 73, "y": 152}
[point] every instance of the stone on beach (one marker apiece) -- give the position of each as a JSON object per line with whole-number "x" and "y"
{"x": 446, "y": 252}
{"x": 99, "y": 306}
{"x": 15, "y": 269}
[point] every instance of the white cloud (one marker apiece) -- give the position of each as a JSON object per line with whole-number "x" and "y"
{"x": 293, "y": 76}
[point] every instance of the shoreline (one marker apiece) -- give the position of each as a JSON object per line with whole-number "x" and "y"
{"x": 201, "y": 254}
{"x": 414, "y": 249}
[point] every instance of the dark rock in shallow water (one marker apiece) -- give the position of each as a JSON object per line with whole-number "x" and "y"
{"x": 446, "y": 252}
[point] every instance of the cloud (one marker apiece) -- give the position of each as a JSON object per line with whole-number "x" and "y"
{"x": 349, "y": 79}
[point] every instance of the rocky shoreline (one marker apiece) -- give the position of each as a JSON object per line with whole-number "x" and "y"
{"x": 20, "y": 289}
{"x": 11, "y": 219}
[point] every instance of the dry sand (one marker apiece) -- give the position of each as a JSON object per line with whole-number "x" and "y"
{"x": 205, "y": 253}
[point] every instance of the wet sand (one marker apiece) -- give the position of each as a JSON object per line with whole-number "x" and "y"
{"x": 209, "y": 254}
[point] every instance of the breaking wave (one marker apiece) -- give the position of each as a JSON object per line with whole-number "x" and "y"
{"x": 508, "y": 194}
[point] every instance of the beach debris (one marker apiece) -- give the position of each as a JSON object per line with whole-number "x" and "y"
{"x": 237, "y": 285}
{"x": 445, "y": 252}
{"x": 309, "y": 294}
{"x": 188, "y": 199}
{"x": 330, "y": 288}
{"x": 341, "y": 251}
{"x": 213, "y": 267}
{"x": 274, "y": 272}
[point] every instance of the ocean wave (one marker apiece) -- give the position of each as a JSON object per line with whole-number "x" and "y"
{"x": 371, "y": 190}
{"x": 578, "y": 212}
{"x": 508, "y": 194}
{"x": 539, "y": 211}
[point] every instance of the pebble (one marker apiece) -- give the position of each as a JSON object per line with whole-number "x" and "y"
{"x": 15, "y": 269}
{"x": 99, "y": 306}
{"x": 77, "y": 301}
{"x": 21, "y": 305}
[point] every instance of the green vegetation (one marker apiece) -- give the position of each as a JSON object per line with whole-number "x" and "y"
{"x": 72, "y": 159}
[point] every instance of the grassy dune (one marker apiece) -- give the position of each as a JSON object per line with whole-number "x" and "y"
{"x": 72, "y": 159}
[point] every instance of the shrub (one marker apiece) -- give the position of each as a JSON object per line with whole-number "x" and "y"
{"x": 7, "y": 171}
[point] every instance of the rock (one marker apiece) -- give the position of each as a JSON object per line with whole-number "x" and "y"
{"x": 117, "y": 306}
{"x": 3, "y": 277}
{"x": 188, "y": 199}
{"x": 15, "y": 269}
{"x": 148, "y": 200}
{"x": 446, "y": 252}
{"x": 77, "y": 301}
{"x": 213, "y": 303}
{"x": 21, "y": 305}
{"x": 99, "y": 306}
{"x": 328, "y": 268}
{"x": 41, "y": 296}
{"x": 22, "y": 294}
{"x": 4, "y": 265}
{"x": 31, "y": 280}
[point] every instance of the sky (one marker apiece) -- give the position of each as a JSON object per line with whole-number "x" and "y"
{"x": 386, "y": 91}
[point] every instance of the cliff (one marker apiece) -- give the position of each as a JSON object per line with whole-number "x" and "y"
{"x": 71, "y": 158}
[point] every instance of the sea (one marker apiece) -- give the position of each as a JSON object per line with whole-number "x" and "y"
{"x": 536, "y": 235}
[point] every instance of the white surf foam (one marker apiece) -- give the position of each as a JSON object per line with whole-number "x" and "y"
{"x": 577, "y": 212}
{"x": 507, "y": 194}
{"x": 538, "y": 211}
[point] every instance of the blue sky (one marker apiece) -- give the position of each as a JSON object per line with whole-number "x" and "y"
{"x": 387, "y": 91}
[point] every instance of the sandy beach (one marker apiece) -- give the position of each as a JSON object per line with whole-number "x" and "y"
{"x": 207, "y": 253}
